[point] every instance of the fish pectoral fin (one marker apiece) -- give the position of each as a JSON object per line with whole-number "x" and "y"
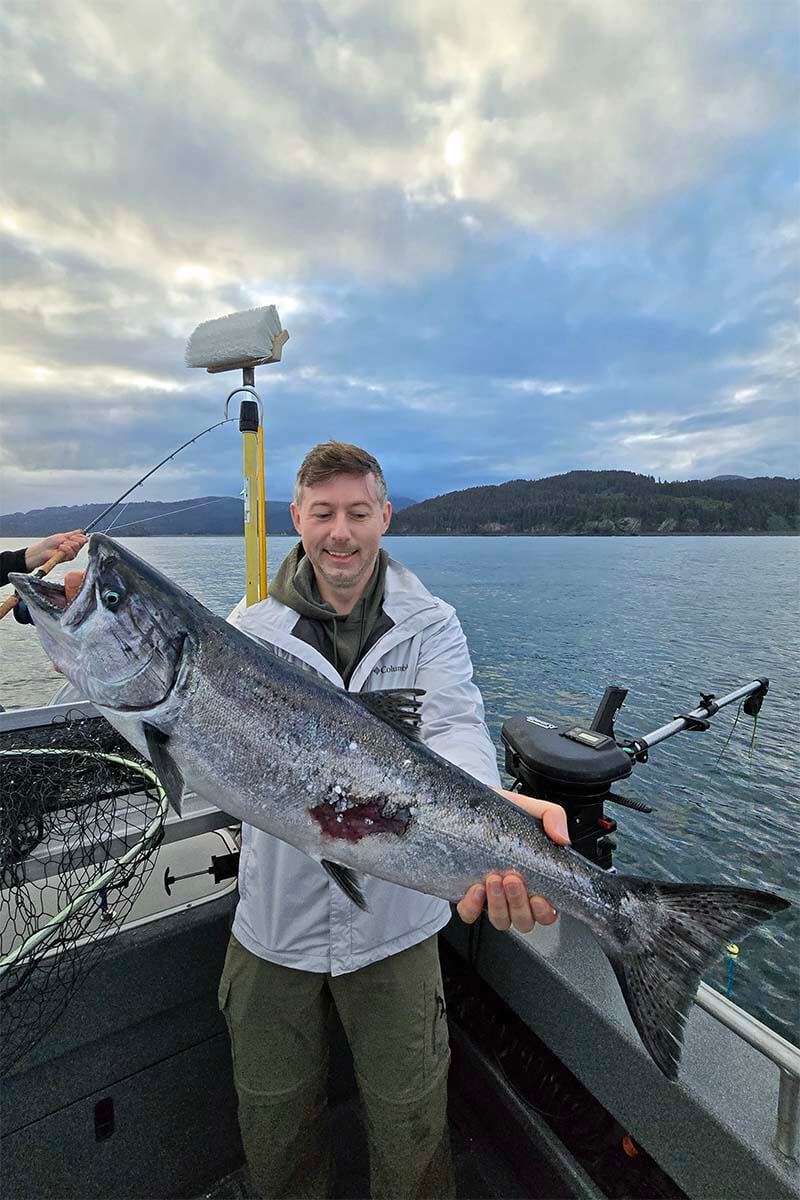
{"x": 347, "y": 881}
{"x": 167, "y": 769}
{"x": 397, "y": 706}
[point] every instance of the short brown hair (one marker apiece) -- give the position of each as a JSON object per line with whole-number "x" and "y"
{"x": 328, "y": 459}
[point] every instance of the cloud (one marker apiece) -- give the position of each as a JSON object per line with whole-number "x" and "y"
{"x": 543, "y": 387}
{"x": 478, "y": 231}
{"x": 354, "y": 136}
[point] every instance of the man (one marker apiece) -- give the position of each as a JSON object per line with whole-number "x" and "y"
{"x": 340, "y": 606}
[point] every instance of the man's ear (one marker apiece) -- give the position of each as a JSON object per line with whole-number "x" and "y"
{"x": 387, "y": 515}
{"x": 295, "y": 511}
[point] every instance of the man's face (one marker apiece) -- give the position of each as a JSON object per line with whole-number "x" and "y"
{"x": 341, "y": 523}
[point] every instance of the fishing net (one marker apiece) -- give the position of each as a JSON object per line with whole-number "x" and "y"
{"x": 81, "y": 815}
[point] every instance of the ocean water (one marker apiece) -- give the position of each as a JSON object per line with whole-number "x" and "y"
{"x": 550, "y": 623}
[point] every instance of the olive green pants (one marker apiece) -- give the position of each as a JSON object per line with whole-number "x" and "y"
{"x": 393, "y": 1014}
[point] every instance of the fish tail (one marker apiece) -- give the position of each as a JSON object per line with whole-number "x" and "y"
{"x": 675, "y": 932}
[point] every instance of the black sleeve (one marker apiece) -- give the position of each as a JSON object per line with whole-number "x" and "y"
{"x": 11, "y": 560}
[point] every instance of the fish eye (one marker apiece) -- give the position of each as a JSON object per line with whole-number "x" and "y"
{"x": 111, "y": 599}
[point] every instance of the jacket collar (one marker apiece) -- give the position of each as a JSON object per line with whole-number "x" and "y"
{"x": 406, "y": 601}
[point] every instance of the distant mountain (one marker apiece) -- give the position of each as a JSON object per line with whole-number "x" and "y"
{"x": 209, "y": 515}
{"x": 149, "y": 518}
{"x": 609, "y": 503}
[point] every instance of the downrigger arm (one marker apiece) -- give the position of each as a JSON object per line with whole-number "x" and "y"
{"x": 576, "y": 765}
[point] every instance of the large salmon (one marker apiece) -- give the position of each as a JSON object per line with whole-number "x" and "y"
{"x": 347, "y": 779}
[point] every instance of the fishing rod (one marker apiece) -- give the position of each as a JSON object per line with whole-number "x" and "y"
{"x": 576, "y": 765}
{"x": 58, "y": 557}
{"x": 157, "y": 467}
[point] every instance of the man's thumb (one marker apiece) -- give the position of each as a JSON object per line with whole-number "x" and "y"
{"x": 73, "y": 581}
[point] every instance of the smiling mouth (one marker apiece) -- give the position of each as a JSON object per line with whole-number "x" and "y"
{"x": 341, "y": 557}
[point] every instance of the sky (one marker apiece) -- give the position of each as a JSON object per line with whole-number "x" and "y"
{"x": 507, "y": 241}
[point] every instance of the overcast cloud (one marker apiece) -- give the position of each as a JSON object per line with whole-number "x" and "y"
{"x": 506, "y": 243}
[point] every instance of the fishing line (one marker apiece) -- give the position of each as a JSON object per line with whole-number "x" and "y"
{"x": 171, "y": 513}
{"x": 157, "y": 467}
{"x": 730, "y": 735}
{"x": 753, "y": 740}
{"x": 124, "y": 508}
{"x": 14, "y": 601}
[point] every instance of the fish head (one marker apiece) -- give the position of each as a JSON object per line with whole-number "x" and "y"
{"x": 124, "y": 637}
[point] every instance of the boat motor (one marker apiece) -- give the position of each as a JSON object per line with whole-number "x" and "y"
{"x": 576, "y": 765}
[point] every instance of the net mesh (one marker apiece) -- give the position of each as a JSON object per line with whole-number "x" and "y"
{"x": 81, "y": 815}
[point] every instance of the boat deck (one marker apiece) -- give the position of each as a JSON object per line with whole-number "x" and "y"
{"x": 483, "y": 1170}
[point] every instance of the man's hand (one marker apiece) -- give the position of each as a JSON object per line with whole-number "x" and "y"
{"x": 67, "y": 543}
{"x": 73, "y": 582}
{"x": 504, "y": 893}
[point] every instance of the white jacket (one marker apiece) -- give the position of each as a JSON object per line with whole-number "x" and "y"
{"x": 289, "y": 910}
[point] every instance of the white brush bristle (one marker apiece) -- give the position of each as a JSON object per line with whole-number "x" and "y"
{"x": 235, "y": 340}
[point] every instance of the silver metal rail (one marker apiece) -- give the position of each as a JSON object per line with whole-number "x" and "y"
{"x": 785, "y": 1056}
{"x": 198, "y": 818}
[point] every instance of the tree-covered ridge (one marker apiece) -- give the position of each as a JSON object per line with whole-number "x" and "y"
{"x": 608, "y": 503}
{"x": 200, "y": 515}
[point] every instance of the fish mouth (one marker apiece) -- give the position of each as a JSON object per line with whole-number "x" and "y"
{"x": 49, "y": 599}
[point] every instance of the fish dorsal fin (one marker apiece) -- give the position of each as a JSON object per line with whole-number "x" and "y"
{"x": 347, "y": 881}
{"x": 167, "y": 769}
{"x": 397, "y": 706}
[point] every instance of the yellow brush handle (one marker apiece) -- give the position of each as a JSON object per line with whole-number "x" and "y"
{"x": 262, "y": 517}
{"x": 251, "y": 552}
{"x": 11, "y": 601}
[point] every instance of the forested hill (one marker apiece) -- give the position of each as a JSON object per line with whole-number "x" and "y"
{"x": 147, "y": 518}
{"x": 609, "y": 503}
{"x": 154, "y": 518}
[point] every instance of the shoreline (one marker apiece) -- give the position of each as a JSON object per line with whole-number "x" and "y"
{"x": 789, "y": 533}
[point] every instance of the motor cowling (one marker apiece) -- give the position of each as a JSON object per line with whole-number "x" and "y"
{"x": 573, "y": 766}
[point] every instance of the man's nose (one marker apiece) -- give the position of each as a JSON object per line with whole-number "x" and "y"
{"x": 341, "y": 528}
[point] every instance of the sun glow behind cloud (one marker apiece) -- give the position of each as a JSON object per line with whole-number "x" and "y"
{"x": 477, "y": 231}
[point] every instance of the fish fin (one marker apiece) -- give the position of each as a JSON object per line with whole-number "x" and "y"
{"x": 397, "y": 706}
{"x": 659, "y": 977}
{"x": 347, "y": 881}
{"x": 167, "y": 769}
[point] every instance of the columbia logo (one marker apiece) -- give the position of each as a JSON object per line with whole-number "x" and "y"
{"x": 389, "y": 670}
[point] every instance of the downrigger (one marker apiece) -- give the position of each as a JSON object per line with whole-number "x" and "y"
{"x": 577, "y": 765}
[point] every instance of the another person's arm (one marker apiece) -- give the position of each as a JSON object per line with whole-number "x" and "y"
{"x": 68, "y": 544}
{"x": 31, "y": 557}
{"x": 11, "y": 560}
{"x": 40, "y": 553}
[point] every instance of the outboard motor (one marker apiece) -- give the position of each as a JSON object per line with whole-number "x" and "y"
{"x": 576, "y": 765}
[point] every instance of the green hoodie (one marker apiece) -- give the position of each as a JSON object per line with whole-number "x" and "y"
{"x": 343, "y": 638}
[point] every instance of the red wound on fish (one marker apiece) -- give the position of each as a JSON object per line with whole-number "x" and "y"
{"x": 359, "y": 820}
